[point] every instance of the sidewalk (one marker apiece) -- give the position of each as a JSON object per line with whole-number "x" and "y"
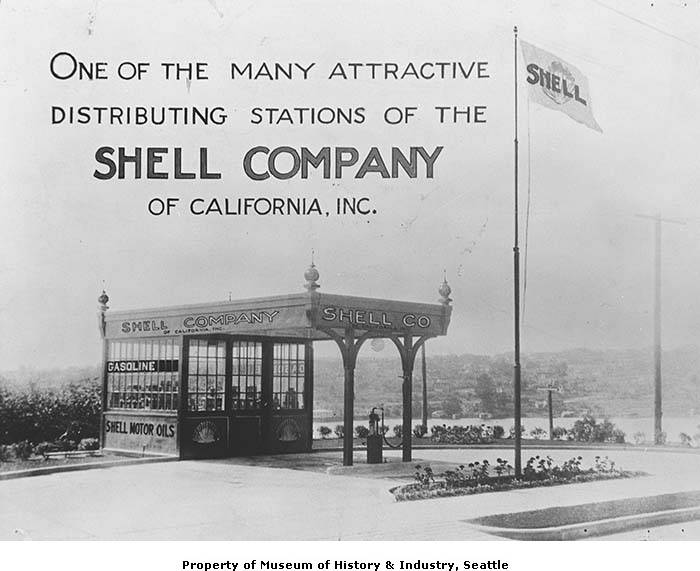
{"x": 307, "y": 496}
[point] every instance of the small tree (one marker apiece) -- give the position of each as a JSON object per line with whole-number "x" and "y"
{"x": 339, "y": 430}
{"x": 618, "y": 436}
{"x": 324, "y": 431}
{"x": 362, "y": 431}
{"x": 398, "y": 431}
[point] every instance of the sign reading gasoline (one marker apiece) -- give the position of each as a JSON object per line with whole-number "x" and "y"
{"x": 143, "y": 366}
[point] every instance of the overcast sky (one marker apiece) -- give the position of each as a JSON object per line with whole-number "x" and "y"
{"x": 589, "y": 260}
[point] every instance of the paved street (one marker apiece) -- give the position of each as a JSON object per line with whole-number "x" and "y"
{"x": 304, "y": 497}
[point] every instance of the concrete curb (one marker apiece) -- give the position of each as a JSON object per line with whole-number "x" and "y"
{"x": 593, "y": 528}
{"x": 80, "y": 467}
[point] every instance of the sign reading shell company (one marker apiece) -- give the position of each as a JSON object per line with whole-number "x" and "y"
{"x": 198, "y": 323}
{"x": 235, "y": 317}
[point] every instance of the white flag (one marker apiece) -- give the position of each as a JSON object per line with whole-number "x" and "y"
{"x": 558, "y": 85}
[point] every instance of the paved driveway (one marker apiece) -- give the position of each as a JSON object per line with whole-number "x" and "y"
{"x": 234, "y": 500}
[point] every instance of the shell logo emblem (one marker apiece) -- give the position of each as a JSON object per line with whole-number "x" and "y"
{"x": 559, "y": 69}
{"x": 206, "y": 433}
{"x": 288, "y": 431}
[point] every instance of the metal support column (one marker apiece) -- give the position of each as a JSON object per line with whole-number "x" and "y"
{"x": 408, "y": 351}
{"x": 349, "y": 346}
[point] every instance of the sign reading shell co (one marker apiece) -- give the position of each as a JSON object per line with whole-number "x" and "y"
{"x": 375, "y": 319}
{"x": 378, "y": 315}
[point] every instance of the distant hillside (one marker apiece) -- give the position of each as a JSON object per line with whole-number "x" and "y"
{"x": 604, "y": 383}
{"x": 47, "y": 378}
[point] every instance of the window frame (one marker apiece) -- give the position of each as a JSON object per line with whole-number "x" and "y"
{"x": 266, "y": 378}
{"x": 139, "y": 386}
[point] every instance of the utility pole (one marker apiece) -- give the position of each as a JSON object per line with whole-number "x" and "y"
{"x": 657, "y": 321}
{"x": 550, "y": 390}
{"x": 425, "y": 390}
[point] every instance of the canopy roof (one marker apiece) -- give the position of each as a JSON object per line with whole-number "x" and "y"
{"x": 302, "y": 316}
{"x": 309, "y": 315}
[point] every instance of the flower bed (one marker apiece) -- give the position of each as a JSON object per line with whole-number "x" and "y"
{"x": 478, "y": 477}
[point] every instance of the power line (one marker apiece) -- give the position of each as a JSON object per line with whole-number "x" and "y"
{"x": 648, "y": 25}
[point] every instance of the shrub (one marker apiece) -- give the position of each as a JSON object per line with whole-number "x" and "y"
{"x": 23, "y": 450}
{"x": 618, "y": 436}
{"x": 472, "y": 434}
{"x": 588, "y": 430}
{"x": 5, "y": 453}
{"x": 40, "y": 415}
{"x": 93, "y": 444}
{"x": 424, "y": 476}
{"x": 42, "y": 448}
{"x": 419, "y": 431}
{"x": 398, "y": 431}
{"x": 362, "y": 431}
{"x": 498, "y": 432}
{"x": 603, "y": 465}
{"x": 584, "y": 429}
{"x": 511, "y": 432}
{"x": 538, "y": 433}
{"x": 339, "y": 430}
{"x": 503, "y": 467}
{"x": 560, "y": 433}
{"x": 639, "y": 437}
{"x": 537, "y": 468}
{"x": 324, "y": 431}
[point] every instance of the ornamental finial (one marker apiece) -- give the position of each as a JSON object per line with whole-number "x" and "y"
{"x": 311, "y": 276}
{"x": 102, "y": 300}
{"x": 445, "y": 290}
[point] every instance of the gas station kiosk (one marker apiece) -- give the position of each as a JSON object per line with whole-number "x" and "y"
{"x": 236, "y": 377}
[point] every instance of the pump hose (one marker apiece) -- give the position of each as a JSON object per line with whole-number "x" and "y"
{"x": 389, "y": 444}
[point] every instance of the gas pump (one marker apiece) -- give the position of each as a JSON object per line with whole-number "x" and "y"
{"x": 374, "y": 439}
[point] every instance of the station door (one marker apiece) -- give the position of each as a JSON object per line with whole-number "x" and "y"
{"x": 245, "y": 396}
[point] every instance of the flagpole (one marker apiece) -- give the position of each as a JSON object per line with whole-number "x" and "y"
{"x": 516, "y": 276}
